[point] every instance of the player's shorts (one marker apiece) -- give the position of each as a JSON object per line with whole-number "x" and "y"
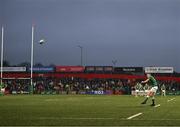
{"x": 2, "y": 90}
{"x": 154, "y": 89}
{"x": 146, "y": 91}
{"x": 163, "y": 91}
{"x": 137, "y": 90}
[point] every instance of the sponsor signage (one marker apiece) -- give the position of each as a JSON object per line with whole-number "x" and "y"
{"x": 95, "y": 92}
{"x": 42, "y": 69}
{"x": 100, "y": 92}
{"x": 99, "y": 68}
{"x": 69, "y": 69}
{"x": 90, "y": 69}
{"x": 108, "y": 68}
{"x": 159, "y": 69}
{"x": 129, "y": 69}
{"x": 14, "y": 69}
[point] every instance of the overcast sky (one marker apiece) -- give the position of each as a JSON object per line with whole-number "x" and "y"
{"x": 133, "y": 32}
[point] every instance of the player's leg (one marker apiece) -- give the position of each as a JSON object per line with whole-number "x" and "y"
{"x": 164, "y": 92}
{"x": 146, "y": 92}
{"x": 154, "y": 89}
{"x": 146, "y": 99}
{"x": 161, "y": 92}
{"x": 153, "y": 101}
{"x": 136, "y": 93}
{"x": 150, "y": 93}
{"x": 144, "y": 102}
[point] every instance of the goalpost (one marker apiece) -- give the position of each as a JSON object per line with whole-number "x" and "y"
{"x": 2, "y": 48}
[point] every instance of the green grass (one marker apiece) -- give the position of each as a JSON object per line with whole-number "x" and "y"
{"x": 90, "y": 110}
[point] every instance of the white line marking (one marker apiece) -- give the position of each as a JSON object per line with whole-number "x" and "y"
{"x": 170, "y": 99}
{"x": 87, "y": 118}
{"x": 52, "y": 100}
{"x": 138, "y": 114}
{"x": 155, "y": 120}
{"x": 157, "y": 106}
{"x": 71, "y": 118}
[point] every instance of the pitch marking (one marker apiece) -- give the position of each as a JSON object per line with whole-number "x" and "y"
{"x": 71, "y": 118}
{"x": 88, "y": 118}
{"x": 52, "y": 100}
{"x": 157, "y": 106}
{"x": 170, "y": 99}
{"x": 138, "y": 114}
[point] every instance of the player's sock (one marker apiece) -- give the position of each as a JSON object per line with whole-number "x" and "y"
{"x": 153, "y": 101}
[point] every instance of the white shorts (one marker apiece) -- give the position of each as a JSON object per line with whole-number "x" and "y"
{"x": 137, "y": 90}
{"x": 163, "y": 91}
{"x": 154, "y": 89}
{"x": 146, "y": 91}
{"x": 2, "y": 90}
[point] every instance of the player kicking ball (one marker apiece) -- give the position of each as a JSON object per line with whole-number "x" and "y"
{"x": 151, "y": 93}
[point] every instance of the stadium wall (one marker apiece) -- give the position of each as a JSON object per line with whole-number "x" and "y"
{"x": 87, "y": 76}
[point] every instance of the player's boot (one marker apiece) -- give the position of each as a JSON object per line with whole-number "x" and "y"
{"x": 144, "y": 102}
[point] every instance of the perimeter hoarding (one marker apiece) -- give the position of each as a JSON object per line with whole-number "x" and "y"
{"x": 42, "y": 69}
{"x": 98, "y": 69}
{"x": 108, "y": 69}
{"x": 69, "y": 69}
{"x": 159, "y": 69}
{"x": 14, "y": 69}
{"x": 90, "y": 69}
{"x": 128, "y": 69}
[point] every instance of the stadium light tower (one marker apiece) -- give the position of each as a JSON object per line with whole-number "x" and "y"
{"x": 81, "y": 48}
{"x": 2, "y": 52}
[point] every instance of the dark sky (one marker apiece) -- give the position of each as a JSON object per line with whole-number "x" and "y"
{"x": 133, "y": 32}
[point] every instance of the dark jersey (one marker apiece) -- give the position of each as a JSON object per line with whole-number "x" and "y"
{"x": 152, "y": 81}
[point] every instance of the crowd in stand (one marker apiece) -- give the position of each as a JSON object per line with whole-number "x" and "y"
{"x": 79, "y": 85}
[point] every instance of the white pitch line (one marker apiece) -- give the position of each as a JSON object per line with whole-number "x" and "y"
{"x": 170, "y": 99}
{"x": 88, "y": 118}
{"x": 138, "y": 114}
{"x": 157, "y": 106}
{"x": 71, "y": 118}
{"x": 156, "y": 120}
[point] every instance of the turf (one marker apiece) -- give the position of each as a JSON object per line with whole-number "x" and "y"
{"x": 87, "y": 110}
